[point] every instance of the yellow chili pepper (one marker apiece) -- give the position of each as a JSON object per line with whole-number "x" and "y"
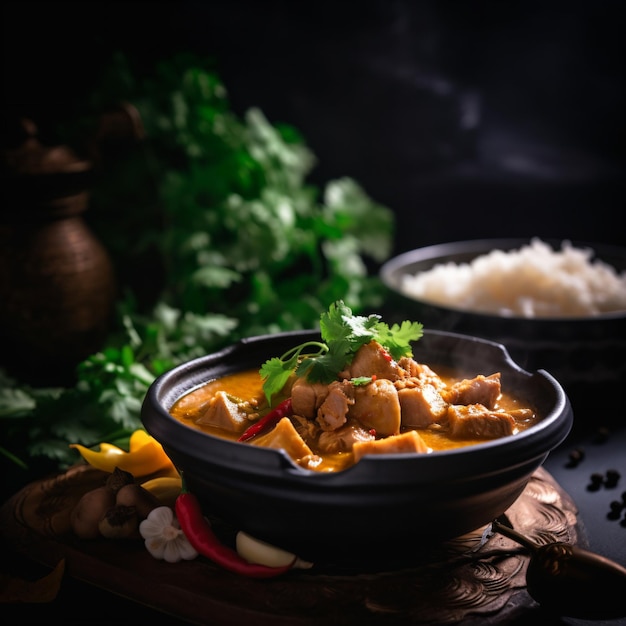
{"x": 165, "y": 488}
{"x": 145, "y": 456}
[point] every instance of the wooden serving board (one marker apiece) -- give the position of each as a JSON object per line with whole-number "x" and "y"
{"x": 478, "y": 578}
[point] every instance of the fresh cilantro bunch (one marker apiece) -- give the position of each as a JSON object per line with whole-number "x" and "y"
{"x": 343, "y": 333}
{"x": 220, "y": 204}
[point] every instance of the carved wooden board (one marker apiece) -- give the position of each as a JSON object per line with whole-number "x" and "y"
{"x": 477, "y": 579}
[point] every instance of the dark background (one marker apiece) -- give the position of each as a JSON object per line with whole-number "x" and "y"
{"x": 468, "y": 119}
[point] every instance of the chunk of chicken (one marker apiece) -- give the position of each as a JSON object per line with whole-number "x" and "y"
{"x": 372, "y": 359}
{"x": 421, "y": 406}
{"x": 343, "y": 439}
{"x": 333, "y": 412}
{"x": 410, "y": 366}
{"x": 377, "y": 406}
{"x": 420, "y": 372}
{"x": 307, "y": 429}
{"x": 285, "y": 436}
{"x": 306, "y": 397}
{"x": 477, "y": 421}
{"x": 483, "y": 390}
{"x": 225, "y": 413}
{"x": 409, "y": 441}
{"x": 519, "y": 415}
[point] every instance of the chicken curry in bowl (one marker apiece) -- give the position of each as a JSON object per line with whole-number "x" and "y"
{"x": 309, "y": 495}
{"x": 362, "y": 393}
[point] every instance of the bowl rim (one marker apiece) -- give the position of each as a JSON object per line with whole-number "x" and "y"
{"x": 272, "y": 464}
{"x": 391, "y": 271}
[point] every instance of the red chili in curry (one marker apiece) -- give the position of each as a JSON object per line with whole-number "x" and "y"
{"x": 284, "y": 409}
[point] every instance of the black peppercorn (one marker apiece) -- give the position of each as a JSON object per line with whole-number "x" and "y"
{"x": 612, "y": 478}
{"x": 616, "y": 509}
{"x": 575, "y": 457}
{"x": 596, "y": 480}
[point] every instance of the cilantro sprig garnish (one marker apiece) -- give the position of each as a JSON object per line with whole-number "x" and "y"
{"x": 343, "y": 334}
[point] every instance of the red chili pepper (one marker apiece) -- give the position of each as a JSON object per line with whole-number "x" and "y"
{"x": 284, "y": 409}
{"x": 201, "y": 536}
{"x": 385, "y": 354}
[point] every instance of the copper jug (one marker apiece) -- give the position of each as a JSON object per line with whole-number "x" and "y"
{"x": 57, "y": 282}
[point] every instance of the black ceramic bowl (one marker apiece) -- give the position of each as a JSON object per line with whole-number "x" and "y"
{"x": 385, "y": 509}
{"x": 587, "y": 355}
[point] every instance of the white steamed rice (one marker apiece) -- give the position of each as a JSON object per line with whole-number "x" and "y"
{"x": 532, "y": 281}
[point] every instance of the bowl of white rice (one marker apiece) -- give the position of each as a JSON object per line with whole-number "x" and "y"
{"x": 555, "y": 305}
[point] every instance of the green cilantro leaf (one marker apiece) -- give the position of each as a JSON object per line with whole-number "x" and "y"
{"x": 361, "y": 381}
{"x": 276, "y": 371}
